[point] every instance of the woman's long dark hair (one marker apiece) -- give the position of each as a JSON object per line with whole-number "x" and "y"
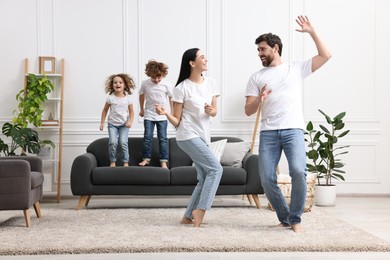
{"x": 185, "y": 68}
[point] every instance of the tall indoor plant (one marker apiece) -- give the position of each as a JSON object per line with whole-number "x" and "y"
{"x": 324, "y": 155}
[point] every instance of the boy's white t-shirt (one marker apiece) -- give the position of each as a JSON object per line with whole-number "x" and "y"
{"x": 155, "y": 94}
{"x": 119, "y": 109}
{"x": 194, "y": 122}
{"x": 283, "y": 107}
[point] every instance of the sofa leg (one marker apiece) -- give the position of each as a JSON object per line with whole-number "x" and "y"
{"x": 82, "y": 201}
{"x": 88, "y": 199}
{"x": 26, "y": 213}
{"x": 256, "y": 199}
{"x": 249, "y": 196}
{"x": 37, "y": 208}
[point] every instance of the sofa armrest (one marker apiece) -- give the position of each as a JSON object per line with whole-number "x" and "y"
{"x": 81, "y": 174}
{"x": 251, "y": 164}
{"x": 35, "y": 162}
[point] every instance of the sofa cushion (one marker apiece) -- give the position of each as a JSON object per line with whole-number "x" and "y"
{"x": 36, "y": 179}
{"x": 132, "y": 175}
{"x": 186, "y": 175}
{"x": 234, "y": 153}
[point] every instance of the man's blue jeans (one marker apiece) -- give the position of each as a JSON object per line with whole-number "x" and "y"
{"x": 121, "y": 134}
{"x": 209, "y": 173}
{"x": 162, "y": 139}
{"x": 292, "y": 142}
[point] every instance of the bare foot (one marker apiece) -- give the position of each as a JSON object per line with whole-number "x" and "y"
{"x": 164, "y": 165}
{"x": 144, "y": 163}
{"x": 186, "y": 221}
{"x": 113, "y": 164}
{"x": 281, "y": 225}
{"x": 125, "y": 164}
{"x": 297, "y": 228}
{"x": 198, "y": 215}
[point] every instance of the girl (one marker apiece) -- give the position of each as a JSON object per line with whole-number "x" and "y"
{"x": 194, "y": 102}
{"x": 155, "y": 90}
{"x": 121, "y": 115}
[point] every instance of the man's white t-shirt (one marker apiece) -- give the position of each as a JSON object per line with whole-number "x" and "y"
{"x": 283, "y": 107}
{"x": 194, "y": 122}
{"x": 155, "y": 94}
{"x": 119, "y": 109}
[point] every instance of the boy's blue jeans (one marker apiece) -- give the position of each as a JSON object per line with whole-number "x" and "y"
{"x": 209, "y": 173}
{"x": 162, "y": 139}
{"x": 292, "y": 142}
{"x": 115, "y": 134}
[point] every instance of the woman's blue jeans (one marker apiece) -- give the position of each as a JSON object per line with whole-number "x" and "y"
{"x": 292, "y": 142}
{"x": 209, "y": 173}
{"x": 118, "y": 135}
{"x": 162, "y": 139}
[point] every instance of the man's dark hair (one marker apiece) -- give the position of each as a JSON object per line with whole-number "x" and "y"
{"x": 271, "y": 40}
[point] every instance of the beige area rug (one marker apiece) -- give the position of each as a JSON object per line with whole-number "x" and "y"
{"x": 131, "y": 230}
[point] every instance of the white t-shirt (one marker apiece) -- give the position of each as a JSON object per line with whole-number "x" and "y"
{"x": 283, "y": 107}
{"x": 119, "y": 109}
{"x": 155, "y": 94}
{"x": 194, "y": 122}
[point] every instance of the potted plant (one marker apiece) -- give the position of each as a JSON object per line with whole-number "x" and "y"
{"x": 30, "y": 110}
{"x": 324, "y": 155}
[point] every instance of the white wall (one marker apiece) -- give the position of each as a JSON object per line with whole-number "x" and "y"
{"x": 101, "y": 37}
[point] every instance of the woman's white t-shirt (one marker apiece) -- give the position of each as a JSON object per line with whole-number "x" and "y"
{"x": 194, "y": 122}
{"x": 119, "y": 109}
{"x": 155, "y": 94}
{"x": 283, "y": 107}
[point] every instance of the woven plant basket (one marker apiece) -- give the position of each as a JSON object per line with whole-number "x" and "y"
{"x": 284, "y": 183}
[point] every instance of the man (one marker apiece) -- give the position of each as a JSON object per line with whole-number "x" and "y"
{"x": 277, "y": 90}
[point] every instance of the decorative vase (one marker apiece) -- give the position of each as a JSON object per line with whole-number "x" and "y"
{"x": 44, "y": 154}
{"x": 325, "y": 196}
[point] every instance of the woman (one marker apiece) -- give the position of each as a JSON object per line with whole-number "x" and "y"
{"x": 194, "y": 101}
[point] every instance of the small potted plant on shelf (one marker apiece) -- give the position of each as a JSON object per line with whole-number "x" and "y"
{"x": 324, "y": 155}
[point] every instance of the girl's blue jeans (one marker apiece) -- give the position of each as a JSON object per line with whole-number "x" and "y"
{"x": 209, "y": 173}
{"x": 162, "y": 139}
{"x": 292, "y": 142}
{"x": 118, "y": 135}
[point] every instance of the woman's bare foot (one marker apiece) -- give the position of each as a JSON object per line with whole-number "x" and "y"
{"x": 126, "y": 164}
{"x": 198, "y": 215}
{"x": 144, "y": 163}
{"x": 186, "y": 221}
{"x": 113, "y": 164}
{"x": 297, "y": 228}
{"x": 164, "y": 165}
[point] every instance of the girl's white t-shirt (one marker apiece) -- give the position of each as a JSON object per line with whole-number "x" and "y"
{"x": 155, "y": 94}
{"x": 194, "y": 122}
{"x": 283, "y": 107}
{"x": 119, "y": 109}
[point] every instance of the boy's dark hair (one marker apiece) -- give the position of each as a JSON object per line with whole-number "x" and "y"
{"x": 156, "y": 69}
{"x": 271, "y": 40}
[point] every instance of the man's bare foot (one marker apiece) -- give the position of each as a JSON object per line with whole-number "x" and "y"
{"x": 297, "y": 228}
{"x": 164, "y": 165}
{"x": 198, "y": 215}
{"x": 186, "y": 221}
{"x": 126, "y": 164}
{"x": 144, "y": 163}
{"x": 113, "y": 164}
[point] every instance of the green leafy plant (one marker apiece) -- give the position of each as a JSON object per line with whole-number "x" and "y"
{"x": 25, "y": 138}
{"x": 324, "y": 153}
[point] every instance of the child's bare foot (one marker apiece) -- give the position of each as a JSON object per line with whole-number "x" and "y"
{"x": 186, "y": 221}
{"x": 164, "y": 165}
{"x": 125, "y": 164}
{"x": 297, "y": 228}
{"x": 144, "y": 163}
{"x": 113, "y": 164}
{"x": 198, "y": 215}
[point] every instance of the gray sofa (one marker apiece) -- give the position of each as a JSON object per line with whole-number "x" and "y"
{"x": 91, "y": 174}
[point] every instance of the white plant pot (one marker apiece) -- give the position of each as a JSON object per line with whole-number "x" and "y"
{"x": 44, "y": 154}
{"x": 325, "y": 196}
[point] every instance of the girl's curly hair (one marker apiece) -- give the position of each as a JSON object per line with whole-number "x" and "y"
{"x": 127, "y": 79}
{"x": 156, "y": 69}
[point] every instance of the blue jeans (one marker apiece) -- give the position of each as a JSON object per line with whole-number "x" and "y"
{"x": 162, "y": 139}
{"x": 209, "y": 173}
{"x": 121, "y": 134}
{"x": 292, "y": 142}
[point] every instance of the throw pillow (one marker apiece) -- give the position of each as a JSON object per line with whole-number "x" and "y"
{"x": 218, "y": 147}
{"x": 234, "y": 153}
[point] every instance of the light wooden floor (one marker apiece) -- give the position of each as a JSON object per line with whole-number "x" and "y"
{"x": 371, "y": 214}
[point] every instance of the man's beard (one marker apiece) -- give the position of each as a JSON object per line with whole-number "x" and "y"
{"x": 267, "y": 60}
